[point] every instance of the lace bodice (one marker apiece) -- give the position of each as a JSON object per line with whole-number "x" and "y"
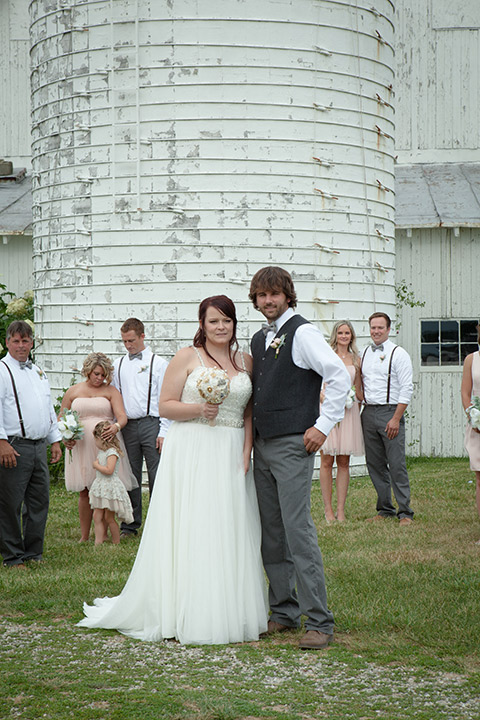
{"x": 230, "y": 412}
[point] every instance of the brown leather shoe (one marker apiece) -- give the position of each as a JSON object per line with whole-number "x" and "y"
{"x": 276, "y": 627}
{"x": 376, "y": 518}
{"x": 315, "y": 640}
{"x": 406, "y": 521}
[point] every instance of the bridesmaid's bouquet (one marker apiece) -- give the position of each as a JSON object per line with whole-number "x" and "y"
{"x": 70, "y": 426}
{"x": 213, "y": 386}
{"x": 473, "y": 413}
{"x": 352, "y": 393}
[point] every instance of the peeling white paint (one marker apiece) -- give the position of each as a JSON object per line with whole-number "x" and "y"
{"x": 177, "y": 146}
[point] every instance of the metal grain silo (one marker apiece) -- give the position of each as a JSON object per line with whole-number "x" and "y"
{"x": 179, "y": 146}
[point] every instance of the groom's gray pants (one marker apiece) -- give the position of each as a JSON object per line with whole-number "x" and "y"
{"x": 292, "y": 559}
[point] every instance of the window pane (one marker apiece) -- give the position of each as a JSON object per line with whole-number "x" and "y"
{"x": 449, "y": 331}
{"x": 467, "y": 349}
{"x": 430, "y": 355}
{"x": 468, "y": 331}
{"x": 449, "y": 354}
{"x": 429, "y": 331}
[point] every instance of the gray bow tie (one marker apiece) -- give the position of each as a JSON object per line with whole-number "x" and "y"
{"x": 132, "y": 356}
{"x": 27, "y": 364}
{"x": 377, "y": 347}
{"x": 269, "y": 327}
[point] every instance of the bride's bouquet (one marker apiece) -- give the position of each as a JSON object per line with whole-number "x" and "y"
{"x": 473, "y": 413}
{"x": 213, "y": 386}
{"x": 70, "y": 426}
{"x": 352, "y": 393}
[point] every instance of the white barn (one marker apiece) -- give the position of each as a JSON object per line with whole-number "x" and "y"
{"x": 329, "y": 90}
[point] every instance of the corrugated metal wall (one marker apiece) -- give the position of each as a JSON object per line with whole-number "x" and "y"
{"x": 15, "y": 83}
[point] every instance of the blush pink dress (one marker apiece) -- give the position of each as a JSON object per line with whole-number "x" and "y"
{"x": 472, "y": 438}
{"x": 346, "y": 438}
{"x": 79, "y": 473}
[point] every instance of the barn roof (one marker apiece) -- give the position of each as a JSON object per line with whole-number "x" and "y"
{"x": 435, "y": 195}
{"x": 16, "y": 207}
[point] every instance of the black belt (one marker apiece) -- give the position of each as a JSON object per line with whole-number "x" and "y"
{"x": 17, "y": 438}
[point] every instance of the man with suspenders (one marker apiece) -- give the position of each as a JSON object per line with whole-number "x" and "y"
{"x": 387, "y": 383}
{"x": 27, "y": 425}
{"x": 138, "y": 376}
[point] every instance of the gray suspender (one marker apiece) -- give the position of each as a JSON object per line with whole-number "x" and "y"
{"x": 149, "y": 380}
{"x": 15, "y": 394}
{"x": 389, "y": 372}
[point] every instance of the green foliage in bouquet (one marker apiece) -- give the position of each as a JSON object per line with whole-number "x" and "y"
{"x": 13, "y": 308}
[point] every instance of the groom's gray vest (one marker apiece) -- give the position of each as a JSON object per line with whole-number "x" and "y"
{"x": 286, "y": 398}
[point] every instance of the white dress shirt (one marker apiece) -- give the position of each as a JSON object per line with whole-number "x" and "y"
{"x": 310, "y": 351}
{"x": 375, "y": 375}
{"x": 34, "y": 399}
{"x": 133, "y": 382}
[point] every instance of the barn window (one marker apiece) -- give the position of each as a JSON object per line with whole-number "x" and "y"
{"x": 447, "y": 342}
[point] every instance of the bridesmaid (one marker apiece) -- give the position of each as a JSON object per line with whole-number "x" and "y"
{"x": 95, "y": 400}
{"x": 470, "y": 387}
{"x": 346, "y": 438}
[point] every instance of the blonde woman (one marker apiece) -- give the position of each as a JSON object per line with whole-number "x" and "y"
{"x": 346, "y": 438}
{"x": 95, "y": 400}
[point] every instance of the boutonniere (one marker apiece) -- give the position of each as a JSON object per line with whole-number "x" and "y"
{"x": 382, "y": 357}
{"x": 278, "y": 343}
{"x": 41, "y": 374}
{"x": 143, "y": 368}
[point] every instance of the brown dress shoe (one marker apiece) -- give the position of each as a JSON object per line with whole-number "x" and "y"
{"x": 276, "y": 627}
{"x": 406, "y": 521}
{"x": 376, "y": 518}
{"x": 315, "y": 640}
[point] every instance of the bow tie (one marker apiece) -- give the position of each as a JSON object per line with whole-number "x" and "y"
{"x": 132, "y": 356}
{"x": 26, "y": 364}
{"x": 377, "y": 347}
{"x": 269, "y": 327}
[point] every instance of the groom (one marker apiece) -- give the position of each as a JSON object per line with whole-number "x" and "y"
{"x": 290, "y": 358}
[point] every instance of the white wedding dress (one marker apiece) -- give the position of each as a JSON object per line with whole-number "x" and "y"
{"x": 198, "y": 574}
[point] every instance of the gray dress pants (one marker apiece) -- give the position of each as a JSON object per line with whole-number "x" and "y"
{"x": 140, "y": 437}
{"x": 292, "y": 559}
{"x": 24, "y": 488}
{"x": 386, "y": 460}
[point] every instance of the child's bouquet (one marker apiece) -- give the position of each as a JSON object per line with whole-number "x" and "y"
{"x": 213, "y": 386}
{"x": 352, "y": 393}
{"x": 70, "y": 426}
{"x": 473, "y": 413}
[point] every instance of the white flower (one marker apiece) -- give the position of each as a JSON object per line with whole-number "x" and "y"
{"x": 67, "y": 434}
{"x": 352, "y": 393}
{"x": 70, "y": 422}
{"x": 143, "y": 368}
{"x": 475, "y": 418}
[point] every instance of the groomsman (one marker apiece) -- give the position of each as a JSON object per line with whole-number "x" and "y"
{"x": 27, "y": 425}
{"x": 290, "y": 358}
{"x": 387, "y": 383}
{"x": 138, "y": 376}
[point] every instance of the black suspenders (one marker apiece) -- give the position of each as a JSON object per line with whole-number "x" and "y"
{"x": 389, "y": 372}
{"x": 149, "y": 380}
{"x": 20, "y": 418}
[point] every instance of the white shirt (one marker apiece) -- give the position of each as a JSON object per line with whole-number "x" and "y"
{"x": 375, "y": 375}
{"x": 34, "y": 399}
{"x": 310, "y": 351}
{"x": 133, "y": 384}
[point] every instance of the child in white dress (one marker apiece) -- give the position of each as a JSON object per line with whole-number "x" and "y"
{"x": 107, "y": 494}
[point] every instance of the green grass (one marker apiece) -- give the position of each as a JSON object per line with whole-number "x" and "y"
{"x": 405, "y": 600}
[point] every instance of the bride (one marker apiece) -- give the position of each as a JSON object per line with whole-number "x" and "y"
{"x": 198, "y": 575}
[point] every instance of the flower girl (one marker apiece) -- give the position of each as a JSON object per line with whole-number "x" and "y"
{"x": 107, "y": 493}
